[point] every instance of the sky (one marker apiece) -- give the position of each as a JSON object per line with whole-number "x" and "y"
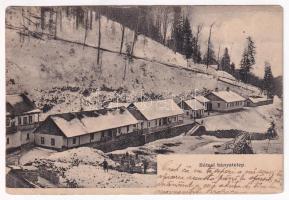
{"x": 233, "y": 24}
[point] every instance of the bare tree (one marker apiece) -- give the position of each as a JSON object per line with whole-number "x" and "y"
{"x": 42, "y": 17}
{"x": 99, "y": 37}
{"x": 90, "y": 20}
{"x": 219, "y": 58}
{"x": 135, "y": 35}
{"x": 60, "y": 20}
{"x": 209, "y": 41}
{"x": 122, "y": 37}
{"x": 199, "y": 30}
{"x": 86, "y": 28}
{"x": 165, "y": 23}
{"x": 56, "y": 21}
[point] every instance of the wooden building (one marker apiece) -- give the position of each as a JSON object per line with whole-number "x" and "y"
{"x": 22, "y": 117}
{"x": 203, "y": 100}
{"x": 156, "y": 115}
{"x": 225, "y": 101}
{"x": 192, "y": 108}
{"x": 68, "y": 130}
{"x": 254, "y": 101}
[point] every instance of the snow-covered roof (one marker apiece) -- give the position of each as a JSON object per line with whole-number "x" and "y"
{"x": 229, "y": 96}
{"x": 158, "y": 109}
{"x": 20, "y": 104}
{"x": 202, "y": 99}
{"x": 259, "y": 99}
{"x": 81, "y": 123}
{"x": 225, "y": 74}
{"x": 117, "y": 104}
{"x": 194, "y": 104}
{"x": 14, "y": 99}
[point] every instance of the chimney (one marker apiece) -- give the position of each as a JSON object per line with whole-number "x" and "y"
{"x": 228, "y": 89}
{"x": 216, "y": 89}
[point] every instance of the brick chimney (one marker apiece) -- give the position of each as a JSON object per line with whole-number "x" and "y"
{"x": 216, "y": 89}
{"x": 228, "y": 89}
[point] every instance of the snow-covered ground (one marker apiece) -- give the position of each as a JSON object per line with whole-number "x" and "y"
{"x": 253, "y": 119}
{"x": 33, "y": 63}
{"x": 92, "y": 176}
{"x": 33, "y": 154}
{"x": 83, "y": 166}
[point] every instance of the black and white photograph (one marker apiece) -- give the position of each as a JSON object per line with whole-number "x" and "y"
{"x": 94, "y": 94}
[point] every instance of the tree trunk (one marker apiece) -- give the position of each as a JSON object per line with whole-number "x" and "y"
{"x": 99, "y": 38}
{"x": 165, "y": 25}
{"x": 60, "y": 20}
{"x": 86, "y": 29}
{"x": 135, "y": 36}
{"x": 124, "y": 73}
{"x": 122, "y": 36}
{"x": 42, "y": 18}
{"x": 90, "y": 20}
{"x": 209, "y": 41}
{"x": 56, "y": 19}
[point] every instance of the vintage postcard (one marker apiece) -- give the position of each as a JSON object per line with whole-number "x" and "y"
{"x": 144, "y": 99}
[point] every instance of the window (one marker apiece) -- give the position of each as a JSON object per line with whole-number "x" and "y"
{"x": 156, "y": 122}
{"x": 25, "y": 121}
{"x": 74, "y": 140}
{"x": 127, "y": 128}
{"x": 30, "y": 119}
{"x": 7, "y": 140}
{"x": 149, "y": 124}
{"x": 19, "y": 120}
{"x": 188, "y": 113}
{"x": 102, "y": 134}
{"x": 42, "y": 140}
{"x": 218, "y": 105}
{"x": 52, "y": 142}
{"x": 27, "y": 136}
{"x": 91, "y": 136}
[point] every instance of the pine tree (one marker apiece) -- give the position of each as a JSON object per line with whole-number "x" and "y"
{"x": 225, "y": 61}
{"x": 177, "y": 30}
{"x": 233, "y": 68}
{"x": 187, "y": 40}
{"x": 248, "y": 59}
{"x": 197, "y": 56}
{"x": 210, "y": 53}
{"x": 268, "y": 83}
{"x": 211, "y": 59}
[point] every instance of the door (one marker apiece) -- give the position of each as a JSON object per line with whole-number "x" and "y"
{"x": 209, "y": 106}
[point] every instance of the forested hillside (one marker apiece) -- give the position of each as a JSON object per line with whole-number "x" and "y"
{"x": 58, "y": 64}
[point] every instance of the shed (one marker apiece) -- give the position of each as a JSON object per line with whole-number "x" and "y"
{"x": 225, "y": 100}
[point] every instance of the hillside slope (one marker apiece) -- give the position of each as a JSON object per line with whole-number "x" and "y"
{"x": 58, "y": 71}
